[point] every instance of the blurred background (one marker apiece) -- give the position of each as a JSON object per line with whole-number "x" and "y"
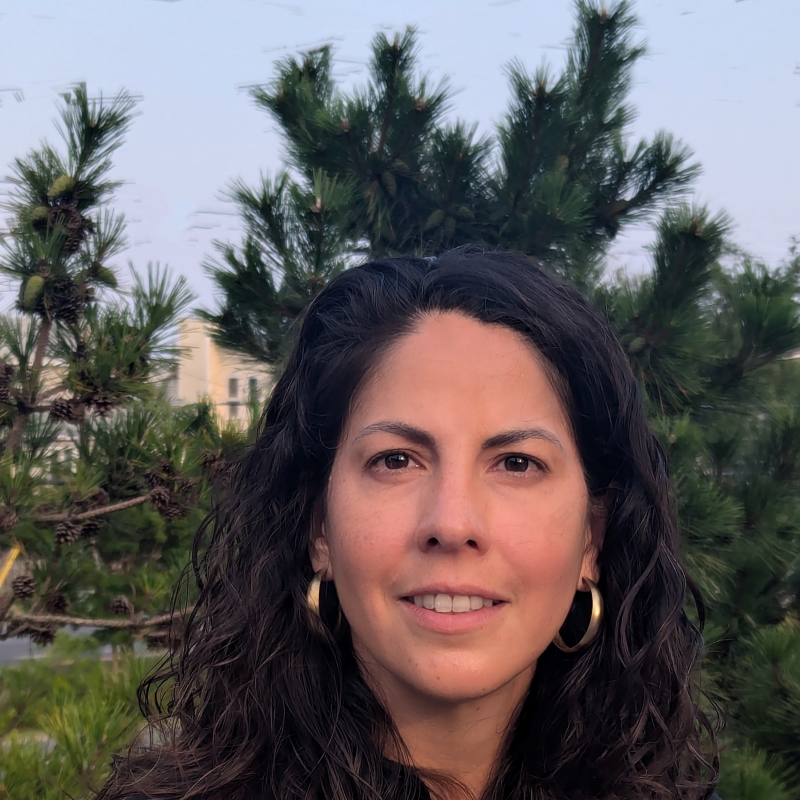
{"x": 183, "y": 177}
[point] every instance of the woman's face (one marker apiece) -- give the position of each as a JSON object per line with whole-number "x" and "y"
{"x": 458, "y": 525}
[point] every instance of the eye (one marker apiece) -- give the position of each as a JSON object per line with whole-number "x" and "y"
{"x": 393, "y": 460}
{"x": 519, "y": 463}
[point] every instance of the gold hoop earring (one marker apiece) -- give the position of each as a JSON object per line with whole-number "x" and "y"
{"x": 594, "y": 623}
{"x": 312, "y": 593}
{"x": 312, "y": 603}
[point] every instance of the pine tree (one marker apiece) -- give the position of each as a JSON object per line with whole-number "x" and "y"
{"x": 101, "y": 485}
{"x": 714, "y": 347}
{"x": 711, "y": 332}
{"x": 293, "y": 233}
{"x": 380, "y": 172}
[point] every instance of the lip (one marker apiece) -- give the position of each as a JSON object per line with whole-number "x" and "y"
{"x": 467, "y": 622}
{"x": 462, "y": 589}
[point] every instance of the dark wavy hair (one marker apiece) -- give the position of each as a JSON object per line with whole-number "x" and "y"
{"x": 261, "y": 705}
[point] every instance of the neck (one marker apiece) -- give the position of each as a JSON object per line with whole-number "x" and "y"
{"x": 460, "y": 739}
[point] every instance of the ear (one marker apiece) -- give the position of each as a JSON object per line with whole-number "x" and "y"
{"x": 319, "y": 552}
{"x": 595, "y": 533}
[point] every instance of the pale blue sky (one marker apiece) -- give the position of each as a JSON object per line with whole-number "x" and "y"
{"x": 723, "y": 75}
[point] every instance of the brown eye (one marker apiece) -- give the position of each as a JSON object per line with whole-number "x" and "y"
{"x": 396, "y": 461}
{"x": 517, "y": 463}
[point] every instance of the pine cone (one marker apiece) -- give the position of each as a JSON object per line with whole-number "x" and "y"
{"x": 166, "y": 467}
{"x": 16, "y": 629}
{"x": 8, "y": 519}
{"x": 60, "y": 409}
{"x": 57, "y": 603}
{"x": 103, "y": 402}
{"x": 216, "y": 465}
{"x": 175, "y": 510}
{"x": 67, "y": 531}
{"x": 90, "y": 528}
{"x": 43, "y": 636}
{"x": 99, "y": 497}
{"x": 166, "y": 503}
{"x": 160, "y": 475}
{"x": 24, "y": 587}
{"x": 74, "y": 226}
{"x": 153, "y": 479}
{"x": 160, "y": 498}
{"x": 69, "y": 310}
{"x": 185, "y": 487}
{"x": 67, "y": 410}
{"x": 6, "y": 375}
{"x": 121, "y": 606}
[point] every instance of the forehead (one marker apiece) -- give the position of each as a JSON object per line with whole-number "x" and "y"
{"x": 452, "y": 363}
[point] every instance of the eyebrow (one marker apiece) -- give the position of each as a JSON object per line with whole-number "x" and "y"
{"x": 408, "y": 432}
{"x": 423, "y": 438}
{"x": 522, "y": 435}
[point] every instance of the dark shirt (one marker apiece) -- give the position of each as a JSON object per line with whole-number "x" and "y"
{"x": 420, "y": 790}
{"x": 422, "y": 795}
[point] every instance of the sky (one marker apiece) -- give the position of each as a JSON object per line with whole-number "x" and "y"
{"x": 721, "y": 75}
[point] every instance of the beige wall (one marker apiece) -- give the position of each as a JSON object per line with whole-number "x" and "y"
{"x": 209, "y": 372}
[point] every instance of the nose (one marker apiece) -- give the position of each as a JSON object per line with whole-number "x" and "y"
{"x": 453, "y": 513}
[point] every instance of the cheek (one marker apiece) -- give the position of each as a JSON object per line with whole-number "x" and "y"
{"x": 545, "y": 541}
{"x": 366, "y": 539}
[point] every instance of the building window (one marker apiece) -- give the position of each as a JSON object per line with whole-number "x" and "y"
{"x": 233, "y": 387}
{"x": 233, "y": 410}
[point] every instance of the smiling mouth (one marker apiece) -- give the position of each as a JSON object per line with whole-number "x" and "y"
{"x": 451, "y": 603}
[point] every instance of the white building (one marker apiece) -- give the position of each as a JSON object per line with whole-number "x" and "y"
{"x": 208, "y": 372}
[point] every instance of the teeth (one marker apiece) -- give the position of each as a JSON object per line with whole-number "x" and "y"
{"x": 444, "y": 604}
{"x": 451, "y": 604}
{"x": 460, "y": 604}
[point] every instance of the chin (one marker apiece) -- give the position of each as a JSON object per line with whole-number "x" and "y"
{"x": 456, "y": 695}
{"x": 452, "y": 683}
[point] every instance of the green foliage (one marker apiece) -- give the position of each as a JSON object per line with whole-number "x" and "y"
{"x": 62, "y": 718}
{"x": 293, "y": 233}
{"x": 769, "y": 683}
{"x": 662, "y": 319}
{"x": 137, "y": 551}
{"x": 557, "y": 180}
{"x": 102, "y": 482}
{"x": 749, "y": 774}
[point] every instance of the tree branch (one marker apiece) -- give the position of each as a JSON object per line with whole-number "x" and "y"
{"x": 95, "y": 512}
{"x": 132, "y": 623}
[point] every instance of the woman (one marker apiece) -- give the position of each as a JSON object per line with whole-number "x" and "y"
{"x": 448, "y": 568}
